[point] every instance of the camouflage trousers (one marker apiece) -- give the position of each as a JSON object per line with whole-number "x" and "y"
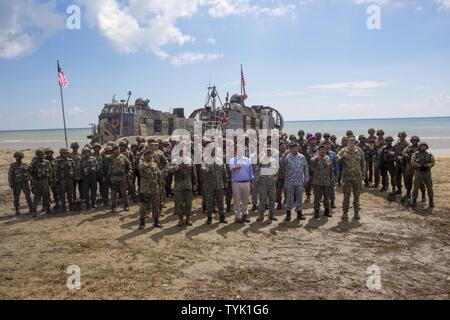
{"x": 17, "y": 189}
{"x": 89, "y": 190}
{"x": 149, "y": 202}
{"x": 309, "y": 186}
{"x": 423, "y": 178}
{"x": 131, "y": 187}
{"x": 399, "y": 175}
{"x": 386, "y": 172}
{"x": 229, "y": 195}
{"x": 348, "y": 187}
{"x": 280, "y": 190}
{"x": 118, "y": 186}
{"x": 322, "y": 193}
{"x": 104, "y": 185}
{"x": 254, "y": 191}
{"x": 376, "y": 172}
{"x": 65, "y": 187}
{"x": 42, "y": 191}
{"x": 266, "y": 194}
{"x": 370, "y": 172}
{"x": 214, "y": 197}
{"x": 183, "y": 202}
{"x": 77, "y": 185}
{"x": 409, "y": 178}
{"x": 55, "y": 192}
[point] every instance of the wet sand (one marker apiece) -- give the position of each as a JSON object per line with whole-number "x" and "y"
{"x": 312, "y": 259}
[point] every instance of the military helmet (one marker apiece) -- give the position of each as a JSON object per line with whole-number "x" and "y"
{"x": 326, "y": 135}
{"x": 74, "y": 145}
{"x": 63, "y": 151}
{"x": 142, "y": 145}
{"x": 18, "y": 154}
{"x": 402, "y": 134}
{"x": 349, "y": 133}
{"x": 301, "y": 132}
{"x": 362, "y": 137}
{"x": 371, "y": 131}
{"x": 415, "y": 138}
{"x": 123, "y": 143}
{"x": 351, "y": 138}
{"x": 380, "y": 132}
{"x": 424, "y": 143}
{"x": 48, "y": 150}
{"x": 389, "y": 138}
{"x": 86, "y": 149}
{"x": 333, "y": 137}
{"x": 108, "y": 149}
{"x": 40, "y": 151}
{"x": 97, "y": 145}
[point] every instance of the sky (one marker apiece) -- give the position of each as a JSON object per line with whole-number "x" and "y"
{"x": 310, "y": 59}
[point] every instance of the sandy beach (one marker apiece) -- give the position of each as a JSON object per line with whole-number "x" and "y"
{"x": 314, "y": 259}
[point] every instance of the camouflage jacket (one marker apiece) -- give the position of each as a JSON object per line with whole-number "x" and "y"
{"x": 53, "y": 168}
{"x": 88, "y": 168}
{"x": 105, "y": 167}
{"x": 323, "y": 170}
{"x": 40, "y": 170}
{"x": 371, "y": 140}
{"x": 99, "y": 159}
{"x": 367, "y": 149}
{"x": 18, "y": 173}
{"x": 422, "y": 161}
{"x": 408, "y": 153}
{"x": 150, "y": 177}
{"x": 388, "y": 156}
{"x": 268, "y": 172}
{"x": 119, "y": 167}
{"x": 378, "y": 144}
{"x": 186, "y": 177}
{"x": 399, "y": 147}
{"x": 353, "y": 164}
{"x": 65, "y": 168}
{"x": 161, "y": 160}
{"x": 215, "y": 176}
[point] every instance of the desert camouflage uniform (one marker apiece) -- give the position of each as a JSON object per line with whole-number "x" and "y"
{"x": 266, "y": 184}
{"x": 119, "y": 169}
{"x": 40, "y": 172}
{"x": 65, "y": 173}
{"x": 422, "y": 162}
{"x": 149, "y": 190}
{"x": 53, "y": 183}
{"x": 215, "y": 179}
{"x": 88, "y": 169}
{"x": 185, "y": 179}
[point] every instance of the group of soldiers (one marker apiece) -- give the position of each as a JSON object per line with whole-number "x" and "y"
{"x": 144, "y": 172}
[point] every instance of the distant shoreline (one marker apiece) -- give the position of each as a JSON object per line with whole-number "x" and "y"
{"x": 290, "y": 121}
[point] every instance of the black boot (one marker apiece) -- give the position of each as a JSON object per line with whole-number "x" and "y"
{"x": 209, "y": 220}
{"x": 279, "y": 206}
{"x": 300, "y": 216}
{"x": 431, "y": 203}
{"x": 126, "y": 208}
{"x": 245, "y": 218}
{"x": 316, "y": 214}
{"x": 255, "y": 207}
{"x": 222, "y": 219}
{"x": 414, "y": 203}
{"x": 399, "y": 191}
{"x": 141, "y": 224}
{"x": 288, "y": 215}
{"x": 424, "y": 198}
{"x": 328, "y": 213}
{"x": 157, "y": 224}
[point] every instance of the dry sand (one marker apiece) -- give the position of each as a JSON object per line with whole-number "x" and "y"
{"x": 314, "y": 259}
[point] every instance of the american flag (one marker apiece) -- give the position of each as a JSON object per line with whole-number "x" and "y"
{"x": 62, "y": 81}
{"x": 244, "y": 93}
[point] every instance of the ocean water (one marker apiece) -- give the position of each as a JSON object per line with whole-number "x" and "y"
{"x": 436, "y": 131}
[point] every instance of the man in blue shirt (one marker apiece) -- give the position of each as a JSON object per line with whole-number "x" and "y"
{"x": 241, "y": 176}
{"x": 296, "y": 178}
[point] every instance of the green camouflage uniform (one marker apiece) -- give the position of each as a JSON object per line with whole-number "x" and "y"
{"x": 422, "y": 162}
{"x": 88, "y": 169}
{"x": 53, "y": 182}
{"x": 18, "y": 177}
{"x": 65, "y": 173}
{"x": 322, "y": 179}
{"x": 215, "y": 178}
{"x": 368, "y": 156}
{"x": 379, "y": 143}
{"x": 400, "y": 166}
{"x": 76, "y": 157}
{"x": 150, "y": 177}
{"x": 353, "y": 170}
{"x": 266, "y": 185}
{"x": 163, "y": 167}
{"x": 185, "y": 179}
{"x": 407, "y": 154}
{"x": 40, "y": 172}
{"x": 119, "y": 168}
{"x": 388, "y": 158}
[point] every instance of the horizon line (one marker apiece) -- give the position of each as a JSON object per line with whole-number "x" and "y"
{"x": 290, "y": 121}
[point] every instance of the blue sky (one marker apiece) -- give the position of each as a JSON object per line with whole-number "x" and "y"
{"x": 311, "y": 59}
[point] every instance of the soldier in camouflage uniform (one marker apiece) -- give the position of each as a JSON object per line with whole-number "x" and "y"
{"x": 18, "y": 177}
{"x": 98, "y": 156}
{"x": 312, "y": 150}
{"x": 119, "y": 170}
{"x": 162, "y": 163}
{"x": 407, "y": 155}
{"x": 266, "y": 182}
{"x": 215, "y": 180}
{"x": 370, "y": 161}
{"x": 185, "y": 183}
{"x": 76, "y": 157}
{"x": 368, "y": 154}
{"x": 53, "y": 183}
{"x": 88, "y": 169}
{"x": 149, "y": 189}
{"x": 400, "y": 165}
{"x": 131, "y": 188}
{"x": 302, "y": 142}
{"x": 65, "y": 173}
{"x": 388, "y": 156}
{"x": 379, "y": 143}
{"x": 422, "y": 162}
{"x": 323, "y": 176}
{"x": 106, "y": 179}
{"x": 353, "y": 171}
{"x": 40, "y": 172}
{"x": 335, "y": 146}
{"x": 281, "y": 178}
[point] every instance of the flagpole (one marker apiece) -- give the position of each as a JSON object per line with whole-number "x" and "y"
{"x": 242, "y": 91}
{"x": 64, "y": 116}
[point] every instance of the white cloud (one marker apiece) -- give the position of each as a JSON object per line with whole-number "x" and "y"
{"x": 25, "y": 25}
{"x": 352, "y": 89}
{"x": 211, "y": 41}
{"x": 75, "y": 111}
{"x": 443, "y": 4}
{"x": 194, "y": 57}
